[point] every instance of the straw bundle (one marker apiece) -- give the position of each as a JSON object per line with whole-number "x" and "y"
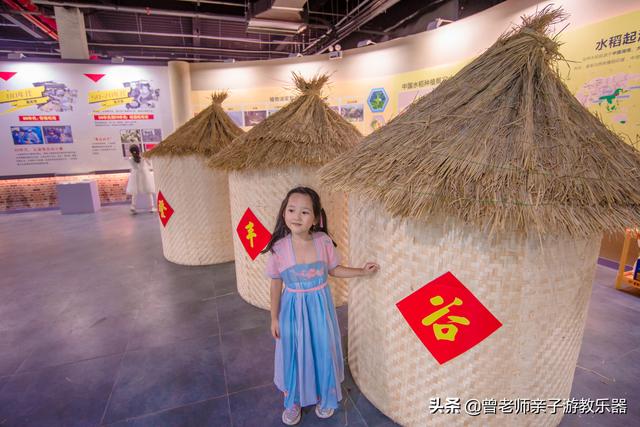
{"x": 280, "y": 153}
{"x": 199, "y": 232}
{"x": 503, "y": 145}
{"x": 305, "y": 132}
{"x": 501, "y": 177}
{"x": 205, "y": 134}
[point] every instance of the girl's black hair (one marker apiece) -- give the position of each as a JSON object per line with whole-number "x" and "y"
{"x": 281, "y": 229}
{"x": 135, "y": 152}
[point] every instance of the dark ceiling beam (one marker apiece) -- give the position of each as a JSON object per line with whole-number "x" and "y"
{"x": 329, "y": 32}
{"x": 229, "y": 39}
{"x": 429, "y": 7}
{"x": 366, "y": 16}
{"x": 178, "y": 48}
{"x": 372, "y": 32}
{"x": 46, "y": 42}
{"x": 44, "y": 24}
{"x": 22, "y": 26}
{"x": 143, "y": 10}
{"x": 217, "y": 3}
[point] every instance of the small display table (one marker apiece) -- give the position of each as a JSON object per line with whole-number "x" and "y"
{"x": 78, "y": 197}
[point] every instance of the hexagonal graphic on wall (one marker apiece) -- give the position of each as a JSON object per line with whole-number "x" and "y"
{"x": 378, "y": 100}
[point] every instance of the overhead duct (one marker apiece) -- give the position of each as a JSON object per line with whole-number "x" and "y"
{"x": 282, "y": 17}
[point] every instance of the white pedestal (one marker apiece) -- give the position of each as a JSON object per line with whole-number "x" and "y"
{"x": 78, "y": 197}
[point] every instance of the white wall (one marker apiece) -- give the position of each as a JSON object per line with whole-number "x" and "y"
{"x": 458, "y": 41}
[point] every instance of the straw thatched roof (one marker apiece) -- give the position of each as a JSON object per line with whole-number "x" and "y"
{"x": 503, "y": 145}
{"x": 305, "y": 132}
{"x": 205, "y": 134}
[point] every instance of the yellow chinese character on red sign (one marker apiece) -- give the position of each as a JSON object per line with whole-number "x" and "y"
{"x": 250, "y": 232}
{"x": 445, "y": 331}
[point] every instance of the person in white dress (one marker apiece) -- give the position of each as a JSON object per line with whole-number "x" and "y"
{"x": 140, "y": 179}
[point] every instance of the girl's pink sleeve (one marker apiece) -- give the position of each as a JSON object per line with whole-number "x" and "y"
{"x": 333, "y": 257}
{"x": 272, "y": 266}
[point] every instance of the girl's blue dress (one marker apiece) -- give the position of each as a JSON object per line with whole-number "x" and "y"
{"x": 308, "y": 363}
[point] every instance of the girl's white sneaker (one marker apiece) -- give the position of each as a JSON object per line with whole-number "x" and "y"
{"x": 323, "y": 413}
{"x": 291, "y": 416}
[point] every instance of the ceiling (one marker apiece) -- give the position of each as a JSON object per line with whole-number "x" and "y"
{"x": 226, "y": 30}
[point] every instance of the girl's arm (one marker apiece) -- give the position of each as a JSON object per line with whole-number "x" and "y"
{"x": 348, "y": 272}
{"x": 276, "y": 292}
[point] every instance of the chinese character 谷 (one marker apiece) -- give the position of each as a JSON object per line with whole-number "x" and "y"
{"x": 444, "y": 331}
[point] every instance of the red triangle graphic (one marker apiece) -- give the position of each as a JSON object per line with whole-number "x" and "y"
{"x": 6, "y": 75}
{"x": 95, "y": 77}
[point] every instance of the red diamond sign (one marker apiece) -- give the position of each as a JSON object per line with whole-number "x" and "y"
{"x": 447, "y": 317}
{"x": 253, "y": 235}
{"x": 164, "y": 209}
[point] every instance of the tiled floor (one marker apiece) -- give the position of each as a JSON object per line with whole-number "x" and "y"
{"x": 96, "y": 328}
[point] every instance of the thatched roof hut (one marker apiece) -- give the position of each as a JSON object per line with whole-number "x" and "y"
{"x": 502, "y": 178}
{"x": 205, "y": 134}
{"x": 282, "y": 152}
{"x": 305, "y": 132}
{"x": 199, "y": 230}
{"x": 503, "y": 145}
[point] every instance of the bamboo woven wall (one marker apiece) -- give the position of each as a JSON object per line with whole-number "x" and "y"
{"x": 199, "y": 232}
{"x": 263, "y": 192}
{"x": 539, "y": 291}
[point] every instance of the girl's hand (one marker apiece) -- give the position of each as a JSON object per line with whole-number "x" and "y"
{"x": 275, "y": 328}
{"x": 370, "y": 268}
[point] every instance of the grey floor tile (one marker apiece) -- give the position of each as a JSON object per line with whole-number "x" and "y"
{"x": 158, "y": 378}
{"x": 248, "y": 357}
{"x": 159, "y": 325}
{"x": 69, "y": 395}
{"x": 259, "y": 406}
{"x": 237, "y": 315}
{"x": 82, "y": 338}
{"x": 210, "y": 413}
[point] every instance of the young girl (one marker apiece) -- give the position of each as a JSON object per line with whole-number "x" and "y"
{"x": 140, "y": 179}
{"x": 308, "y": 360}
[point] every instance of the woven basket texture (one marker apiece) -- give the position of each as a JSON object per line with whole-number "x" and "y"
{"x": 538, "y": 289}
{"x": 263, "y": 191}
{"x": 199, "y": 231}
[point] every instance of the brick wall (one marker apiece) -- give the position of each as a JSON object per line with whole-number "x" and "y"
{"x": 33, "y": 193}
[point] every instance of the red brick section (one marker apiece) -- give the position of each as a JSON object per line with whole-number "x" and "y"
{"x": 33, "y": 193}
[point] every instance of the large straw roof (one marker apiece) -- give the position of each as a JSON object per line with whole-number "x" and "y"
{"x": 503, "y": 145}
{"x": 205, "y": 134}
{"x": 305, "y": 132}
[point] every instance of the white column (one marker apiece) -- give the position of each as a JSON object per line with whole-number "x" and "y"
{"x": 180, "y": 88}
{"x": 72, "y": 34}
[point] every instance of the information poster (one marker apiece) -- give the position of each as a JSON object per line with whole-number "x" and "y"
{"x": 605, "y": 76}
{"x": 79, "y": 118}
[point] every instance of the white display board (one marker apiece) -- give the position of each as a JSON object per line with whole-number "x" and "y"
{"x": 77, "y": 118}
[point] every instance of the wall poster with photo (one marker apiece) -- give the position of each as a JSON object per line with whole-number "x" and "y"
{"x": 80, "y": 119}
